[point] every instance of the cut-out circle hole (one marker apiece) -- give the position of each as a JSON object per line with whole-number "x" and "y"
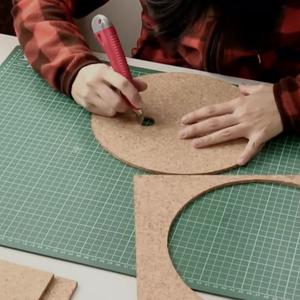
{"x": 147, "y": 122}
{"x": 220, "y": 234}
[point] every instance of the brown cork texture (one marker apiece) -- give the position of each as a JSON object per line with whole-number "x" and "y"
{"x": 22, "y": 283}
{"x": 158, "y": 148}
{"x": 158, "y": 200}
{"x": 60, "y": 289}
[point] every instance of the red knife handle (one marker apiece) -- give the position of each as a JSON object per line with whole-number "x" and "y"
{"x": 110, "y": 42}
{"x": 107, "y": 37}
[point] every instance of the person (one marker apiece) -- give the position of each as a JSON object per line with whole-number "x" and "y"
{"x": 250, "y": 39}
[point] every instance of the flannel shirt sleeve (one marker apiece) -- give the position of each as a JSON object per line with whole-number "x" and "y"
{"x": 51, "y": 41}
{"x": 287, "y": 96}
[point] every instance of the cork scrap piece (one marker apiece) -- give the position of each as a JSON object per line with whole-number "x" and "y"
{"x": 24, "y": 283}
{"x": 60, "y": 289}
{"x": 158, "y": 200}
{"x": 158, "y": 148}
{"x": 20, "y": 282}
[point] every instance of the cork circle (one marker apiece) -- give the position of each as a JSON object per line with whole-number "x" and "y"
{"x": 157, "y": 148}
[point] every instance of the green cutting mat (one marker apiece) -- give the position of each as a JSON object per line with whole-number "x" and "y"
{"x": 61, "y": 195}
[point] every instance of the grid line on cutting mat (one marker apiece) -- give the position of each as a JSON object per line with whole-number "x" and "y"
{"x": 63, "y": 196}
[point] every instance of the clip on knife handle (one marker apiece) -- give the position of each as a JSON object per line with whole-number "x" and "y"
{"x": 107, "y": 37}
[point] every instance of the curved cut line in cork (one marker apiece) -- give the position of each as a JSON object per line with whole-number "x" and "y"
{"x": 264, "y": 181}
{"x": 158, "y": 201}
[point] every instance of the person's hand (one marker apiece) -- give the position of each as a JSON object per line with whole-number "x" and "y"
{"x": 254, "y": 115}
{"x": 98, "y": 88}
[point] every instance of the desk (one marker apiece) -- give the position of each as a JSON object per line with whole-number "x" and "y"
{"x": 92, "y": 283}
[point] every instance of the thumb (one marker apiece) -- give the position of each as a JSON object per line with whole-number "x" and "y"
{"x": 140, "y": 85}
{"x": 249, "y": 89}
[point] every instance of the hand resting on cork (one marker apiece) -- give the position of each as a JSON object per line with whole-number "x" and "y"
{"x": 253, "y": 115}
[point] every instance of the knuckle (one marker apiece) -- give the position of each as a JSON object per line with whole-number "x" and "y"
{"x": 103, "y": 68}
{"x": 85, "y": 99}
{"x": 90, "y": 82}
{"x": 226, "y": 133}
{"x": 85, "y": 95}
{"x": 103, "y": 72}
{"x": 240, "y": 114}
{"x": 90, "y": 79}
{"x": 213, "y": 124}
{"x": 100, "y": 69}
{"x": 210, "y": 110}
{"x": 192, "y": 131}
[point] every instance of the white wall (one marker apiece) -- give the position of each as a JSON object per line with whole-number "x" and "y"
{"x": 126, "y": 17}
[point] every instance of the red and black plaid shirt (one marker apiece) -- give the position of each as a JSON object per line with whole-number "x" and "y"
{"x": 57, "y": 51}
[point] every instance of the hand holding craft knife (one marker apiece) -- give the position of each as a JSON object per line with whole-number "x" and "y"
{"x": 107, "y": 37}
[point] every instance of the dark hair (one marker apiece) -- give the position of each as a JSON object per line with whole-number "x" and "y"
{"x": 248, "y": 22}
{"x": 173, "y": 17}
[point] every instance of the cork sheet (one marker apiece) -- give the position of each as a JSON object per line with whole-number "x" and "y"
{"x": 60, "y": 289}
{"x": 158, "y": 148}
{"x": 19, "y": 282}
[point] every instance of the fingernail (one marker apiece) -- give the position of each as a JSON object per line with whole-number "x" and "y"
{"x": 184, "y": 119}
{"x": 241, "y": 161}
{"x": 196, "y": 144}
{"x": 182, "y": 134}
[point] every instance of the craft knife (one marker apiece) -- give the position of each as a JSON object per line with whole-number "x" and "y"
{"x": 106, "y": 35}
